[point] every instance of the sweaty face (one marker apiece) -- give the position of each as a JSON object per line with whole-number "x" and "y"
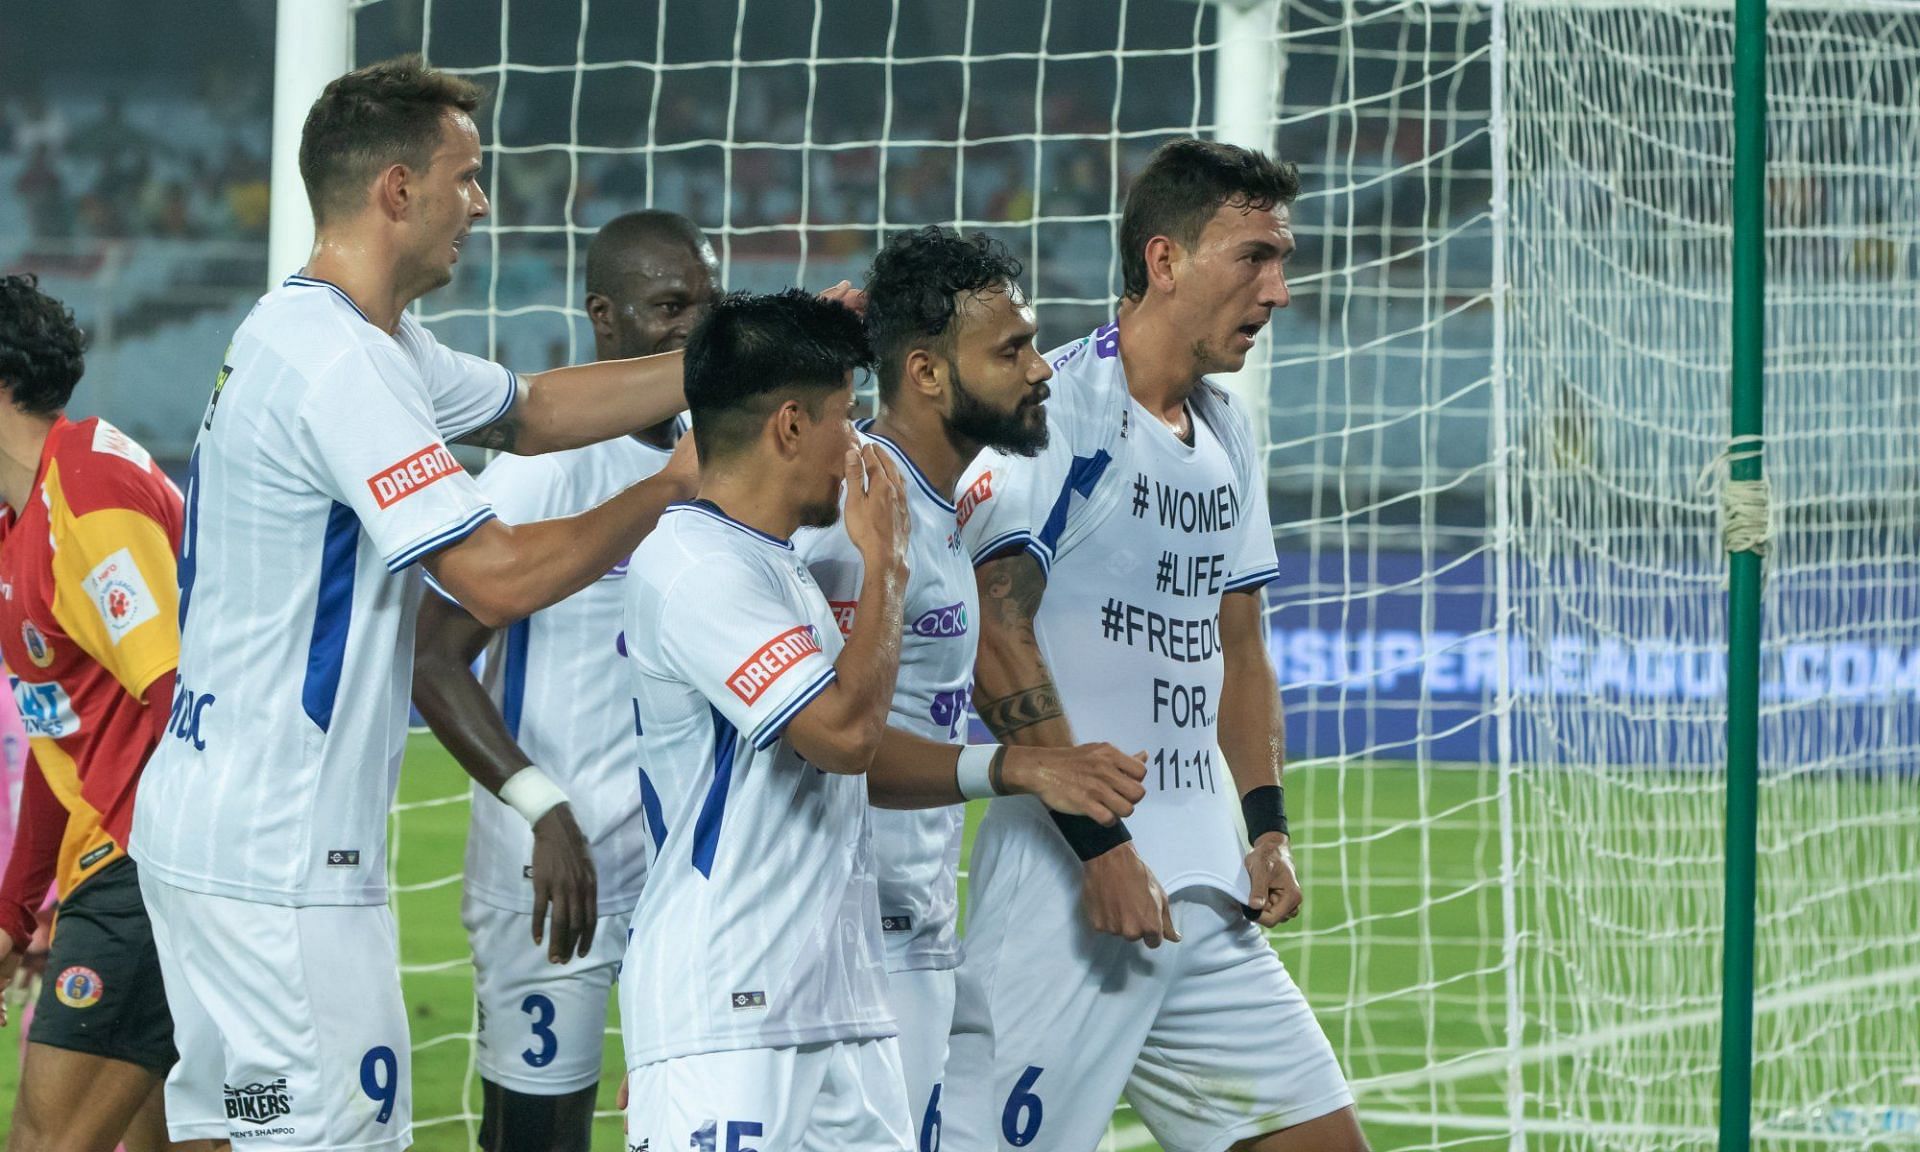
{"x": 664, "y": 291}
{"x": 822, "y": 464}
{"x": 1227, "y": 286}
{"x": 449, "y": 200}
{"x": 997, "y": 378}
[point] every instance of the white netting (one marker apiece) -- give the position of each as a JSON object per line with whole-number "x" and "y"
{"x": 1498, "y": 622}
{"x": 1620, "y": 122}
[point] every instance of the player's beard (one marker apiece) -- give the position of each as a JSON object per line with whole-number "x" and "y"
{"x": 820, "y": 515}
{"x": 823, "y": 513}
{"x": 975, "y": 420}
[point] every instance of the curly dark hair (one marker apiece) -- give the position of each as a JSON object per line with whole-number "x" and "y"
{"x": 752, "y": 352}
{"x": 914, "y": 290}
{"x": 383, "y": 114}
{"x": 1184, "y": 183}
{"x": 40, "y": 347}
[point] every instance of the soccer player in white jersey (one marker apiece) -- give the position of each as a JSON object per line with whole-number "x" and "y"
{"x": 1121, "y": 574}
{"x": 753, "y": 998}
{"x": 557, "y": 695}
{"x": 320, "y": 476}
{"x": 957, "y": 371}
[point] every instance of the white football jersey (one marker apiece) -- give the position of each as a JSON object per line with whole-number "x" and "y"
{"x": 760, "y": 923}
{"x": 559, "y": 678}
{"x": 917, "y": 853}
{"x": 320, "y": 474}
{"x": 1130, "y": 624}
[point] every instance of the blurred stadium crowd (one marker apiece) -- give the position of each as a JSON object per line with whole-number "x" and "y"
{"x": 797, "y": 135}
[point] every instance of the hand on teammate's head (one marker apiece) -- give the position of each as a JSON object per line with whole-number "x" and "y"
{"x": 847, "y": 296}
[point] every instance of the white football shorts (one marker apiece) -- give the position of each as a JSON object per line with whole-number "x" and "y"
{"x": 835, "y": 1097}
{"x": 1209, "y": 1039}
{"x": 542, "y": 1026}
{"x": 922, "y": 1001}
{"x": 290, "y": 1025}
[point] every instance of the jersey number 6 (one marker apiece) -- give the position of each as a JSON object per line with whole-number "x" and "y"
{"x": 1020, "y": 1120}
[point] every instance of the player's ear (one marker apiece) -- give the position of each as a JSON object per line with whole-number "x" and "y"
{"x": 1161, "y": 253}
{"x": 923, "y": 373}
{"x": 393, "y": 191}
{"x": 600, "y": 315}
{"x": 787, "y": 422}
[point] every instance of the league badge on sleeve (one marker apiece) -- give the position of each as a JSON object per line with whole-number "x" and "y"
{"x": 120, "y": 594}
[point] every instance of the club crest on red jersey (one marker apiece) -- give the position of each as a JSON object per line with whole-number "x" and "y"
{"x": 38, "y": 650}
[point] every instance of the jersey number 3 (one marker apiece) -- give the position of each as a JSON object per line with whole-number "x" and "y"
{"x": 541, "y": 1009}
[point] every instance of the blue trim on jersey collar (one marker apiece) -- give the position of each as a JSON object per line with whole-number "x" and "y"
{"x": 912, "y": 468}
{"x": 298, "y": 280}
{"x": 713, "y": 513}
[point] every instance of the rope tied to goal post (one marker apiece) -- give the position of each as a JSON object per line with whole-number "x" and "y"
{"x": 1746, "y": 506}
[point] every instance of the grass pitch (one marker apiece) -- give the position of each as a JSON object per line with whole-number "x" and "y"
{"x": 429, "y": 838}
{"x": 1402, "y": 951}
{"x": 1399, "y": 947}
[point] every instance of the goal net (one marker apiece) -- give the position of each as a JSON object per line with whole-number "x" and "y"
{"x": 1493, "y": 414}
{"x": 1618, "y": 124}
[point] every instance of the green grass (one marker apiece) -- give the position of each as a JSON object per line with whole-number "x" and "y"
{"x": 431, "y": 841}
{"x": 1400, "y": 946}
{"x": 1320, "y": 947}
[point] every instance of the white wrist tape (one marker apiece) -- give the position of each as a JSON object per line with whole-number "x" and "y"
{"x": 974, "y": 772}
{"x": 531, "y": 794}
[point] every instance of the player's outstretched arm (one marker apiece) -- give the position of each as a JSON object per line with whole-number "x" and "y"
{"x": 1014, "y": 694}
{"x": 1253, "y": 738}
{"x": 840, "y": 731}
{"x": 1096, "y": 781}
{"x": 447, "y": 639}
{"x": 587, "y": 403}
{"x": 501, "y": 573}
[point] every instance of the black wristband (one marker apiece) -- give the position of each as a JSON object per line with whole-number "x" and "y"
{"x": 1088, "y": 837}
{"x": 1265, "y": 808}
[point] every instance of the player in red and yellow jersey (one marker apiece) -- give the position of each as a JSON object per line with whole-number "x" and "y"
{"x": 89, "y": 626}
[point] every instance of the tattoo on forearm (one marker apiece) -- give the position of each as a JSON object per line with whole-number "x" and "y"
{"x": 1009, "y": 714}
{"x": 502, "y": 434}
{"x": 1015, "y": 584}
{"x": 499, "y": 435}
{"x": 1012, "y": 588}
